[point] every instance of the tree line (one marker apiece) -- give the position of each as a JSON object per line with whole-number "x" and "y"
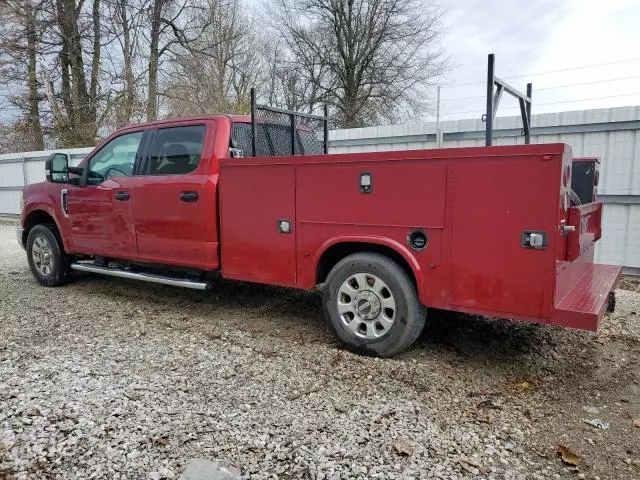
{"x": 75, "y": 70}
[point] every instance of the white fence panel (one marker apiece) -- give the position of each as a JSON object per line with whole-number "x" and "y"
{"x": 15, "y": 168}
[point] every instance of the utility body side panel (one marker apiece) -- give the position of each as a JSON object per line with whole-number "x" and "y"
{"x": 472, "y": 203}
{"x": 493, "y": 201}
{"x": 405, "y": 196}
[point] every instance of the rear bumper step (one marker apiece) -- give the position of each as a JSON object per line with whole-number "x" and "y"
{"x": 146, "y": 277}
{"x": 587, "y": 301}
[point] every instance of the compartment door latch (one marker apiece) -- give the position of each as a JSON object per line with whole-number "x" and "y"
{"x": 534, "y": 239}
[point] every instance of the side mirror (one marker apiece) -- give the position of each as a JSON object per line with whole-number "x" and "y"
{"x": 57, "y": 168}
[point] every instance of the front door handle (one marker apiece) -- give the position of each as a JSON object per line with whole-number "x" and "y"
{"x": 189, "y": 196}
{"x": 122, "y": 196}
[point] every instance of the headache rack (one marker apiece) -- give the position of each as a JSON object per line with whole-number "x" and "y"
{"x": 275, "y": 131}
{"x": 493, "y": 100}
{"x": 279, "y": 132}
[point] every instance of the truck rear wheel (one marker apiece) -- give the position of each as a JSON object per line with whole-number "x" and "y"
{"x": 47, "y": 259}
{"x": 372, "y": 306}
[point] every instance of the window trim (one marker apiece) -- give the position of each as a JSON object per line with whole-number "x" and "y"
{"x": 145, "y": 169}
{"x": 85, "y": 174}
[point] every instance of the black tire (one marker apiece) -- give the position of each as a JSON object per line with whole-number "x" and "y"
{"x": 409, "y": 316}
{"x": 60, "y": 263}
{"x": 611, "y": 304}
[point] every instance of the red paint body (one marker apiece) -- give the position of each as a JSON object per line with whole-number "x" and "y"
{"x": 472, "y": 203}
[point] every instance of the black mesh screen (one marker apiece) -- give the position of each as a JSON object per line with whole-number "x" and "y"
{"x": 273, "y": 134}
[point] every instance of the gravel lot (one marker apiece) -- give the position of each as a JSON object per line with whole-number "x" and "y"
{"x": 114, "y": 379}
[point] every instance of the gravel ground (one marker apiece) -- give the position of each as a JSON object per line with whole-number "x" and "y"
{"x": 113, "y": 379}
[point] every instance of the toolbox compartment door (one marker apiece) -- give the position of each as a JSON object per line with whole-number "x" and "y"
{"x": 257, "y": 203}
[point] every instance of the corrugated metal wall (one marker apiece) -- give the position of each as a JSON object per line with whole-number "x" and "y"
{"x": 612, "y": 134}
{"x": 20, "y": 169}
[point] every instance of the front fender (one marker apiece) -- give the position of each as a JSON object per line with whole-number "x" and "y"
{"x": 42, "y": 197}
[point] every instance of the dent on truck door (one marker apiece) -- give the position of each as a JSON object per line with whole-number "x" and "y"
{"x": 175, "y": 205}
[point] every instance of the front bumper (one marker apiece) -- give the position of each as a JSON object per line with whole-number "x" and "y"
{"x": 19, "y": 232}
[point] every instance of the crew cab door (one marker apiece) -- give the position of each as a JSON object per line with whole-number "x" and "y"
{"x": 99, "y": 209}
{"x": 175, "y": 204}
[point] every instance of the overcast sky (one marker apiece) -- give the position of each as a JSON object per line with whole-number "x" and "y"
{"x": 530, "y": 37}
{"x": 533, "y": 36}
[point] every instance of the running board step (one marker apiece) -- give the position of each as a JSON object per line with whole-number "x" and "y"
{"x": 145, "y": 277}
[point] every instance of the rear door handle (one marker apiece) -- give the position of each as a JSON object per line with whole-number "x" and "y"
{"x": 122, "y": 196}
{"x": 189, "y": 196}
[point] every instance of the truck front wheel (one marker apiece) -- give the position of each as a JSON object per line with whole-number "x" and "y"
{"x": 372, "y": 306}
{"x": 47, "y": 259}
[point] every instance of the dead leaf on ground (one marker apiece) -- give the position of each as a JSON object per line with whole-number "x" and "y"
{"x": 636, "y": 423}
{"x": 160, "y": 440}
{"x": 402, "y": 447}
{"x": 524, "y": 386}
{"x": 567, "y": 455}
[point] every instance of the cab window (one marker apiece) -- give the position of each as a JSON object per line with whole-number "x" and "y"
{"x": 115, "y": 159}
{"x": 177, "y": 150}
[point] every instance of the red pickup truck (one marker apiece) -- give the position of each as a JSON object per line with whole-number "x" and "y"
{"x": 490, "y": 230}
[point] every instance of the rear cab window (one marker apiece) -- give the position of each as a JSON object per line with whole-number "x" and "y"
{"x": 177, "y": 150}
{"x": 274, "y": 139}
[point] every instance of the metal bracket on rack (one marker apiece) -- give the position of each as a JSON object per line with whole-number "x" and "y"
{"x": 493, "y": 101}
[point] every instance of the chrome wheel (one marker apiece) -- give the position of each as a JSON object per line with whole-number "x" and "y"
{"x": 366, "y": 305}
{"x": 42, "y": 255}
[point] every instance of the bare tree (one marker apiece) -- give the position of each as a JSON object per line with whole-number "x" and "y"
{"x": 129, "y": 46}
{"x": 175, "y": 26}
{"x": 294, "y": 83}
{"x": 371, "y": 60}
{"x": 20, "y": 47}
{"x": 127, "y": 71}
{"x": 76, "y": 69}
{"x": 217, "y": 72}
{"x": 15, "y": 138}
{"x": 154, "y": 57}
{"x": 75, "y": 33}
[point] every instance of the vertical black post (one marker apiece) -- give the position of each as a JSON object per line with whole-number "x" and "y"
{"x": 527, "y": 138}
{"x": 293, "y": 133}
{"x": 488, "y": 137}
{"x": 253, "y": 121}
{"x": 326, "y": 128}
